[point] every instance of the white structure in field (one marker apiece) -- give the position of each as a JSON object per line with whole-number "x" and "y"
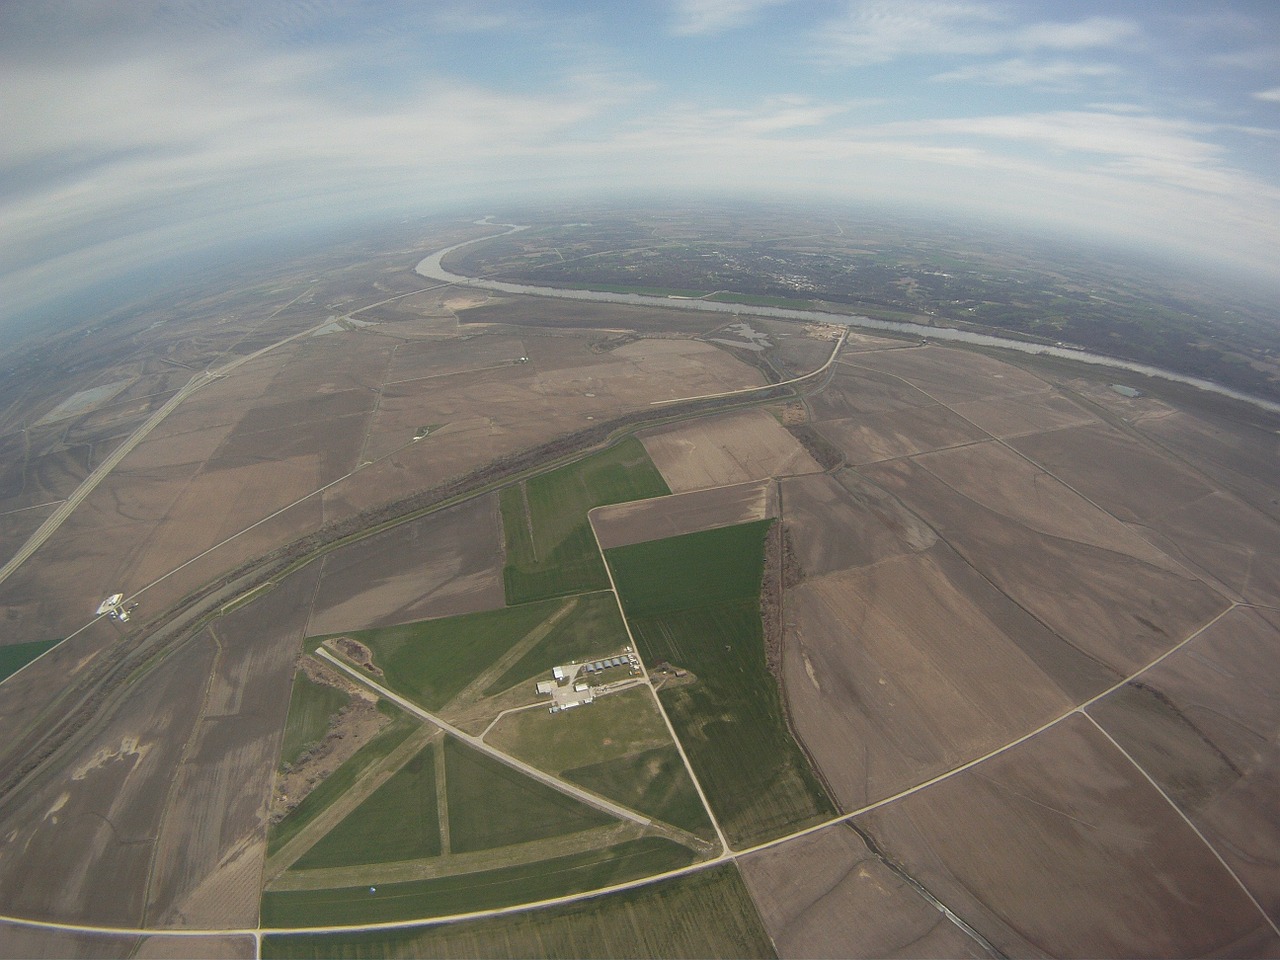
{"x": 113, "y": 606}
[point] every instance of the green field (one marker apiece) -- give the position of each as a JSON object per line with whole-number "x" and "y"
{"x": 560, "y": 557}
{"x": 694, "y": 601}
{"x": 492, "y": 805}
{"x": 653, "y": 782}
{"x": 593, "y": 629}
{"x": 338, "y": 782}
{"x": 611, "y": 727}
{"x": 310, "y": 707}
{"x": 431, "y": 661}
{"x": 440, "y": 896}
{"x": 705, "y": 914}
{"x": 399, "y": 821}
{"x": 17, "y": 655}
{"x": 690, "y": 571}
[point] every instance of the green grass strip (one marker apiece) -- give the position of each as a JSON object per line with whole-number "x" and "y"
{"x": 441, "y": 896}
{"x": 399, "y": 821}
{"x": 341, "y": 780}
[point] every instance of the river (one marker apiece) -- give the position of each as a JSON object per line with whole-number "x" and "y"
{"x": 431, "y": 268}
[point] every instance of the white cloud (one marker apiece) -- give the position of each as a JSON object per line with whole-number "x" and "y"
{"x": 1272, "y": 95}
{"x": 1021, "y": 72}
{"x": 878, "y": 31}
{"x": 694, "y": 17}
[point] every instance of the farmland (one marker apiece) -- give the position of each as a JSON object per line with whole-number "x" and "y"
{"x": 693, "y": 600}
{"x": 311, "y": 705}
{"x": 709, "y": 914}
{"x": 902, "y": 586}
{"x": 491, "y": 805}
{"x": 398, "y": 822}
{"x": 550, "y": 549}
{"x": 16, "y": 656}
{"x": 431, "y": 661}
{"x": 341, "y": 780}
{"x": 440, "y": 896}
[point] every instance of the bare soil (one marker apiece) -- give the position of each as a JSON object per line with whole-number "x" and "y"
{"x": 443, "y": 564}
{"x": 1061, "y": 847}
{"x": 680, "y": 513}
{"x": 899, "y": 433}
{"x": 1119, "y": 610}
{"x": 939, "y": 372}
{"x": 544, "y": 312}
{"x": 212, "y": 842}
{"x": 1204, "y": 724}
{"x": 724, "y": 450}
{"x": 79, "y": 849}
{"x": 897, "y": 672}
{"x": 855, "y": 391}
{"x": 828, "y": 895}
{"x": 1019, "y": 414}
{"x": 842, "y": 521}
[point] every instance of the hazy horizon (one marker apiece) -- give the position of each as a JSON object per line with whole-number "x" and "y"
{"x": 145, "y": 132}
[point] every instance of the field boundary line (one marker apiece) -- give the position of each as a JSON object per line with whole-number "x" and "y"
{"x": 1185, "y": 819}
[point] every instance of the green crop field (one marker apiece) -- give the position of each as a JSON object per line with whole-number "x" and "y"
{"x": 310, "y": 706}
{"x": 653, "y": 782}
{"x": 431, "y": 661}
{"x": 17, "y": 655}
{"x": 493, "y": 805}
{"x": 593, "y": 629}
{"x": 461, "y": 893}
{"x": 694, "y": 601}
{"x": 399, "y": 821}
{"x": 338, "y": 782}
{"x": 690, "y": 571}
{"x": 561, "y": 556}
{"x": 611, "y": 727}
{"x": 705, "y": 914}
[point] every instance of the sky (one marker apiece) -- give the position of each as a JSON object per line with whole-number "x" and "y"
{"x": 138, "y": 131}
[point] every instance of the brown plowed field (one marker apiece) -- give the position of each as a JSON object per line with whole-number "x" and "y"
{"x": 433, "y": 358}
{"x": 855, "y": 391}
{"x": 625, "y": 523}
{"x": 941, "y": 373}
{"x": 1119, "y": 610}
{"x": 545, "y": 312}
{"x": 1204, "y": 724}
{"x": 897, "y": 672}
{"x": 1061, "y": 847}
{"x": 1123, "y": 475}
{"x": 842, "y": 521}
{"x": 997, "y": 479}
{"x": 827, "y": 895}
{"x": 728, "y": 449}
{"x": 899, "y": 433}
{"x": 79, "y": 849}
{"x": 1020, "y": 414}
{"x": 443, "y": 564}
{"x": 197, "y": 948}
{"x": 35, "y": 943}
{"x": 210, "y": 849}
{"x": 1240, "y": 456}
